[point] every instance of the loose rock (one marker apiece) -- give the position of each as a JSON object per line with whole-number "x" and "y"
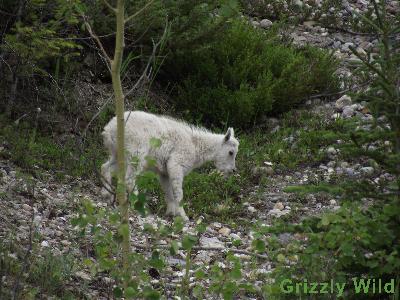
{"x": 279, "y": 206}
{"x": 343, "y": 101}
{"x": 265, "y": 23}
{"x": 225, "y": 231}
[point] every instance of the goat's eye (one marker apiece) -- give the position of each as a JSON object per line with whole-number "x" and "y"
{"x": 231, "y": 153}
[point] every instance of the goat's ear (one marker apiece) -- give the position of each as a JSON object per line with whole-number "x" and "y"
{"x": 230, "y": 133}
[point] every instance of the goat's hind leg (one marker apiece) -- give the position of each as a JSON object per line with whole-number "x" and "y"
{"x": 168, "y": 195}
{"x": 130, "y": 179}
{"x": 107, "y": 170}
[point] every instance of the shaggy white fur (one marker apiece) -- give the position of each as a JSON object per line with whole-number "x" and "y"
{"x": 183, "y": 148}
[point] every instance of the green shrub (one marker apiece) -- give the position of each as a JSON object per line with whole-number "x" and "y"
{"x": 350, "y": 243}
{"x": 361, "y": 238}
{"x": 240, "y": 76}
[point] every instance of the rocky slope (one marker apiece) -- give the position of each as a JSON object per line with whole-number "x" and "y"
{"x": 42, "y": 209}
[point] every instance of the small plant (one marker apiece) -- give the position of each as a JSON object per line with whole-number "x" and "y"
{"x": 29, "y": 273}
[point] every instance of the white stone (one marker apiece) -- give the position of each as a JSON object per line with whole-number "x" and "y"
{"x": 367, "y": 170}
{"x": 44, "y": 244}
{"x": 348, "y": 112}
{"x": 279, "y": 206}
{"x": 211, "y": 242}
{"x": 251, "y": 209}
{"x": 234, "y": 236}
{"x": 278, "y": 213}
{"x": 225, "y": 231}
{"x": 83, "y": 275}
{"x": 343, "y": 101}
{"x": 26, "y": 207}
{"x": 331, "y": 151}
{"x": 65, "y": 243}
{"x": 346, "y": 46}
{"x": 204, "y": 256}
{"x": 265, "y": 23}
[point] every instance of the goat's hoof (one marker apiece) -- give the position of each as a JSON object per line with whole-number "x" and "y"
{"x": 173, "y": 215}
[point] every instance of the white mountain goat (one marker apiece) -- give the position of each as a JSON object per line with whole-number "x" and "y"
{"x": 183, "y": 148}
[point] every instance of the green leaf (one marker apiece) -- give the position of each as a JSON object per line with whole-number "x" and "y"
{"x": 123, "y": 230}
{"x": 236, "y": 272}
{"x": 89, "y": 208}
{"x": 156, "y": 260}
{"x": 80, "y": 8}
{"x": 258, "y": 245}
{"x": 347, "y": 249}
{"x": 117, "y": 292}
{"x": 229, "y": 290}
{"x": 155, "y": 142}
{"x": 178, "y": 224}
{"x": 113, "y": 218}
{"x": 174, "y": 248}
{"x": 325, "y": 220}
{"x": 200, "y": 274}
{"x": 127, "y": 62}
{"x": 87, "y": 262}
{"x": 148, "y": 228}
{"x": 201, "y": 228}
{"x": 140, "y": 203}
{"x": 151, "y": 162}
{"x": 151, "y": 295}
{"x": 236, "y": 243}
{"x": 189, "y": 241}
{"x": 281, "y": 258}
{"x": 130, "y": 292}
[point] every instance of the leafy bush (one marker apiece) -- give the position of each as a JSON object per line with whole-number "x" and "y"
{"x": 239, "y": 77}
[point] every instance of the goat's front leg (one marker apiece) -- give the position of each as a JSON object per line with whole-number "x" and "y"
{"x": 133, "y": 170}
{"x": 175, "y": 185}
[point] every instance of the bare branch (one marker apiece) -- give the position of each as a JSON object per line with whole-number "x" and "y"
{"x": 113, "y": 9}
{"x": 96, "y": 38}
{"x": 97, "y": 114}
{"x": 147, "y": 69}
{"x": 138, "y": 12}
{"x": 5, "y": 62}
